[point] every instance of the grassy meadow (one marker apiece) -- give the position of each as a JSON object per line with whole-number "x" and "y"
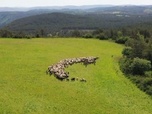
{"x": 26, "y": 89}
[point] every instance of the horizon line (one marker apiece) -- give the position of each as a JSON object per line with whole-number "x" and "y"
{"x": 76, "y": 5}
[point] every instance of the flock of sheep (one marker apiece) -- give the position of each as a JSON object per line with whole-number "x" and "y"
{"x": 58, "y": 70}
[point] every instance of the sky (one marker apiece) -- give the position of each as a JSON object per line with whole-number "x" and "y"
{"x": 33, "y": 3}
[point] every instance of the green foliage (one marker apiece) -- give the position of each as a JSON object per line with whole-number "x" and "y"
{"x": 143, "y": 83}
{"x": 138, "y": 71}
{"x": 140, "y": 66}
{"x": 76, "y": 33}
{"x": 121, "y": 40}
{"x": 128, "y": 52}
{"x": 148, "y": 51}
{"x": 88, "y": 35}
{"x": 125, "y": 65}
{"x": 134, "y": 66}
{"x": 98, "y": 31}
{"x": 120, "y": 37}
{"x": 137, "y": 61}
{"x": 139, "y": 47}
{"x": 145, "y": 33}
{"x": 101, "y": 36}
{"x": 148, "y": 74}
{"x": 5, "y": 33}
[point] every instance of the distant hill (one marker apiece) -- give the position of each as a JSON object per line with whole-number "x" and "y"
{"x": 128, "y": 9}
{"x": 55, "y": 22}
{"x": 9, "y": 14}
{"x": 56, "y": 19}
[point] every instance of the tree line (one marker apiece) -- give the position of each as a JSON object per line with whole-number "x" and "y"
{"x": 136, "y": 62}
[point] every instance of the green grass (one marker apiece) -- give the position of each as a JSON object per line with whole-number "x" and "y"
{"x": 26, "y": 89}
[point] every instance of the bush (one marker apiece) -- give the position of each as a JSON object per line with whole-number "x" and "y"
{"x": 88, "y": 35}
{"x": 127, "y": 52}
{"x": 146, "y": 85}
{"x": 125, "y": 65}
{"x": 101, "y": 36}
{"x": 148, "y": 74}
{"x": 143, "y": 83}
{"x": 139, "y": 66}
{"x": 134, "y": 66}
{"x": 121, "y": 40}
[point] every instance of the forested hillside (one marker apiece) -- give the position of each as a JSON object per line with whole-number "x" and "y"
{"x": 7, "y": 17}
{"x": 55, "y": 22}
{"x": 52, "y": 19}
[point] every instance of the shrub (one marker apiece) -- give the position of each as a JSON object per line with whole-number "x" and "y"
{"x": 146, "y": 85}
{"x": 121, "y": 40}
{"x": 88, "y": 35}
{"x": 139, "y": 66}
{"x": 101, "y": 36}
{"x": 127, "y": 52}
{"x": 125, "y": 65}
{"x": 148, "y": 74}
{"x": 134, "y": 66}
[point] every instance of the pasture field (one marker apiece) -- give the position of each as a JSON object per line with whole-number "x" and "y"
{"x": 26, "y": 89}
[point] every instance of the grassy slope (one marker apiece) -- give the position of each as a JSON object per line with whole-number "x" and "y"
{"x": 26, "y": 89}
